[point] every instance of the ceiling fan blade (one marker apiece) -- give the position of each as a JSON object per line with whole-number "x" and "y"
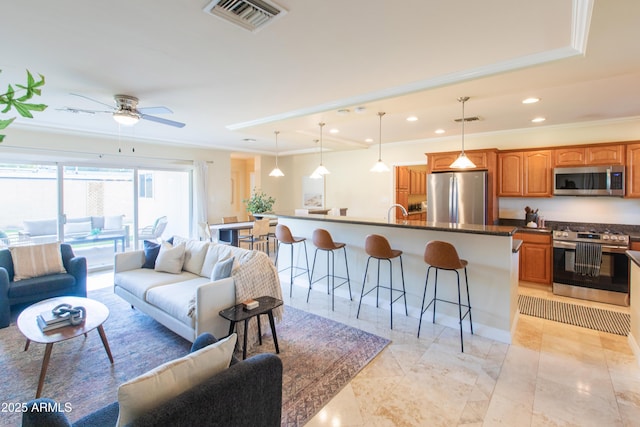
{"x": 161, "y": 120}
{"x": 93, "y": 100}
{"x": 155, "y": 110}
{"x": 81, "y": 110}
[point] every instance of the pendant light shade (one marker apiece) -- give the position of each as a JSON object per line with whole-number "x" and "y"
{"x": 320, "y": 171}
{"x": 380, "y": 166}
{"x": 462, "y": 162}
{"x": 276, "y": 171}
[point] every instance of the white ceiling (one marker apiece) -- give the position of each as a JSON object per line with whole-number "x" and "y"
{"x": 410, "y": 57}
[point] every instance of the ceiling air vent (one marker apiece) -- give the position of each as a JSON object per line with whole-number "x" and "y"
{"x": 251, "y": 15}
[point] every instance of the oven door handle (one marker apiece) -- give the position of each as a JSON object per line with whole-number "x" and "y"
{"x": 606, "y": 249}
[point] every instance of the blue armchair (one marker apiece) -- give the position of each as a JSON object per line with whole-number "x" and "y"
{"x": 71, "y": 283}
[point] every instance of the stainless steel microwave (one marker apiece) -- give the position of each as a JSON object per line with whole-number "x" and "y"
{"x": 589, "y": 181}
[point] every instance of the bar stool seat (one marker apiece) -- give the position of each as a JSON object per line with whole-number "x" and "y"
{"x": 284, "y": 237}
{"x": 324, "y": 242}
{"x": 443, "y": 256}
{"x": 378, "y": 247}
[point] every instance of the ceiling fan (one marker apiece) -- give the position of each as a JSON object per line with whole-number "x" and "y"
{"x": 126, "y": 111}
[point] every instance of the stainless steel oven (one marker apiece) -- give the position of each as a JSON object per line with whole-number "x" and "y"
{"x": 591, "y": 265}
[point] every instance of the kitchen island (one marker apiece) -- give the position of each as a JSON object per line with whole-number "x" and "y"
{"x": 634, "y": 290}
{"x": 490, "y": 250}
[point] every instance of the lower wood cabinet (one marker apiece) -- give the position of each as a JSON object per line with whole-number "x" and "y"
{"x": 535, "y": 257}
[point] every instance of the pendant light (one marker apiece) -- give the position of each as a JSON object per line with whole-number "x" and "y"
{"x": 276, "y": 171}
{"x": 320, "y": 170}
{"x": 379, "y": 166}
{"x": 462, "y": 162}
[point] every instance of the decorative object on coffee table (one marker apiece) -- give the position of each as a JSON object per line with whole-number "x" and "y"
{"x": 240, "y": 312}
{"x": 96, "y": 314}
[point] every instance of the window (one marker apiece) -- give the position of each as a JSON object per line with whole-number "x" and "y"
{"x": 145, "y": 185}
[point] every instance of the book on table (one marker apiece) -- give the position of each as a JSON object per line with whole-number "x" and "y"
{"x": 250, "y": 304}
{"x": 60, "y": 322}
{"x": 49, "y": 318}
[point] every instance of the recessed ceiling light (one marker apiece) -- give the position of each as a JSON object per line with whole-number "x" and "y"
{"x": 368, "y": 140}
{"x": 360, "y": 109}
{"x": 412, "y": 119}
{"x": 343, "y": 111}
{"x": 538, "y": 120}
{"x": 439, "y": 131}
{"x": 530, "y": 100}
{"x": 249, "y": 140}
{"x": 334, "y": 131}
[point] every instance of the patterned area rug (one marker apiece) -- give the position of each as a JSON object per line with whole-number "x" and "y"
{"x": 320, "y": 357}
{"x": 577, "y": 315}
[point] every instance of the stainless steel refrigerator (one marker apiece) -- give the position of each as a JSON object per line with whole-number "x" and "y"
{"x": 457, "y": 197}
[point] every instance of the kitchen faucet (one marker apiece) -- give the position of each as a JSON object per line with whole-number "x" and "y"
{"x": 404, "y": 212}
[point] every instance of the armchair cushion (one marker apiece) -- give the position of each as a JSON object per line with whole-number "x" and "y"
{"x": 113, "y": 222}
{"x": 169, "y": 380}
{"x": 36, "y": 260}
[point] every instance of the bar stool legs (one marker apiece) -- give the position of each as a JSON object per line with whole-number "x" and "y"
{"x": 284, "y": 237}
{"x": 323, "y": 242}
{"x": 443, "y": 256}
{"x": 378, "y": 247}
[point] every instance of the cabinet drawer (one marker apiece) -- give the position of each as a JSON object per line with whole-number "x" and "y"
{"x": 542, "y": 238}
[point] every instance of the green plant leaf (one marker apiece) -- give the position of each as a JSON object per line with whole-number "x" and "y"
{"x": 5, "y": 123}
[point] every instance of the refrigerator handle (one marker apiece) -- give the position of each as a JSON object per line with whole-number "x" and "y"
{"x": 453, "y": 198}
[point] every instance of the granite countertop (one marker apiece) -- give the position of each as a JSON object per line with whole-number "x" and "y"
{"x": 634, "y": 256}
{"x": 495, "y": 230}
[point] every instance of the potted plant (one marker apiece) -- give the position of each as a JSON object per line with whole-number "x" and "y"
{"x": 259, "y": 202}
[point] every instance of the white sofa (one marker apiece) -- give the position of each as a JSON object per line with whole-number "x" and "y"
{"x": 188, "y": 302}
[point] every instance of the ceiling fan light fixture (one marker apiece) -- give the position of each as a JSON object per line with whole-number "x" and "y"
{"x": 276, "y": 171}
{"x": 126, "y": 118}
{"x": 380, "y": 166}
{"x": 462, "y": 162}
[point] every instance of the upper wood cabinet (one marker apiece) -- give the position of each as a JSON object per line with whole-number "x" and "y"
{"x": 525, "y": 173}
{"x": 606, "y": 154}
{"x": 439, "y": 162}
{"x": 633, "y": 171}
{"x": 402, "y": 178}
{"x": 417, "y": 182}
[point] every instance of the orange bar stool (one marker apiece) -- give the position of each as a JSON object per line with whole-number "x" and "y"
{"x": 284, "y": 237}
{"x": 324, "y": 242}
{"x": 443, "y": 256}
{"x": 378, "y": 247}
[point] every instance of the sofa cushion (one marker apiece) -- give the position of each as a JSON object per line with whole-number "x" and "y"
{"x": 222, "y": 269}
{"x": 151, "y": 251}
{"x": 41, "y": 227}
{"x": 215, "y": 253}
{"x": 170, "y": 258}
{"x": 77, "y": 228}
{"x": 40, "y": 285}
{"x": 175, "y": 299}
{"x": 152, "y": 389}
{"x": 113, "y": 222}
{"x": 36, "y": 260}
{"x": 138, "y": 282}
{"x": 194, "y": 254}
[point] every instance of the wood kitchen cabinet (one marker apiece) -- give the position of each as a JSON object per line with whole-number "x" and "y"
{"x": 417, "y": 182}
{"x": 597, "y": 155}
{"x": 535, "y": 257}
{"x": 402, "y": 178}
{"x": 440, "y": 162}
{"x": 525, "y": 173}
{"x": 633, "y": 171}
{"x": 634, "y": 246}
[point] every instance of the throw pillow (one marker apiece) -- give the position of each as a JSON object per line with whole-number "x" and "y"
{"x": 36, "y": 260}
{"x": 113, "y": 222}
{"x": 222, "y": 269}
{"x": 195, "y": 251}
{"x": 77, "y": 228}
{"x": 170, "y": 258}
{"x": 214, "y": 254}
{"x": 154, "y": 388}
{"x": 151, "y": 251}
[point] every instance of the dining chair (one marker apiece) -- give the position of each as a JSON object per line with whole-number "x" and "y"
{"x": 259, "y": 234}
{"x": 204, "y": 231}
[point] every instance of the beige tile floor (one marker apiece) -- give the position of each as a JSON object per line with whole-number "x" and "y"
{"x": 552, "y": 374}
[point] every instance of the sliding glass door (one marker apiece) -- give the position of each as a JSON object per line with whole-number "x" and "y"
{"x": 98, "y": 215}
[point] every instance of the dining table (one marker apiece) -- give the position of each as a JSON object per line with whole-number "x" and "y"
{"x": 230, "y": 233}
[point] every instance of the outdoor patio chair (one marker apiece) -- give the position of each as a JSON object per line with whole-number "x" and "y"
{"x": 153, "y": 232}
